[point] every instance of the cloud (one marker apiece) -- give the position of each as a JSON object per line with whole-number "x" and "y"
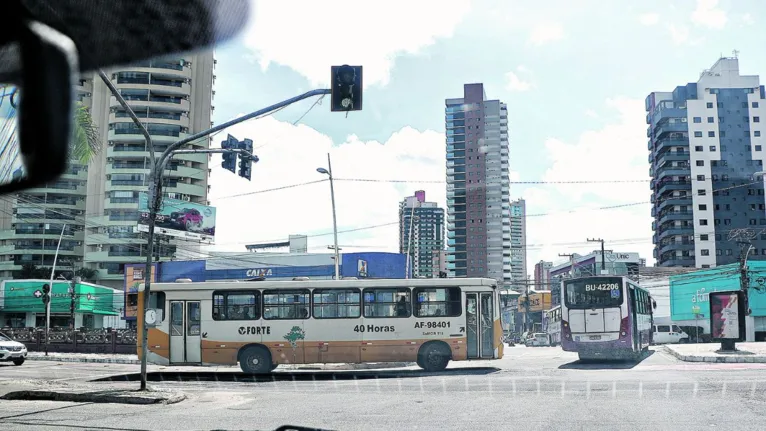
{"x": 515, "y": 83}
{"x": 546, "y": 32}
{"x": 681, "y": 35}
{"x": 649, "y": 18}
{"x": 615, "y": 152}
{"x": 321, "y": 34}
{"x": 708, "y": 15}
{"x": 591, "y": 113}
{"x": 291, "y": 154}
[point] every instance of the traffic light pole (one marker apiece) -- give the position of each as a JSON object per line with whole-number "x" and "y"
{"x": 155, "y": 197}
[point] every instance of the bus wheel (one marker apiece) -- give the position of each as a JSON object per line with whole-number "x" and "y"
{"x": 255, "y": 360}
{"x": 434, "y": 356}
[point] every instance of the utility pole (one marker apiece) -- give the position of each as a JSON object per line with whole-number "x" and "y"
{"x": 71, "y": 303}
{"x": 526, "y": 306}
{"x": 571, "y": 260}
{"x": 603, "y": 258}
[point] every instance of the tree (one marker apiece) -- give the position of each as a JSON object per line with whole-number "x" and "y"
{"x": 87, "y": 274}
{"x": 86, "y": 141}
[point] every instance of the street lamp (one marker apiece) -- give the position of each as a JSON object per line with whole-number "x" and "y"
{"x": 328, "y": 172}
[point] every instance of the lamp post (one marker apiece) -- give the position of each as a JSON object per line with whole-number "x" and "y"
{"x": 328, "y": 172}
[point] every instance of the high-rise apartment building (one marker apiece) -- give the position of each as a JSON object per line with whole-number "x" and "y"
{"x": 478, "y": 197}
{"x": 98, "y": 203}
{"x": 543, "y": 275}
{"x": 519, "y": 243}
{"x": 706, "y": 143}
{"x": 421, "y": 234}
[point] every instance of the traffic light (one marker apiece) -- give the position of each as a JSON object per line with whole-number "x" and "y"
{"x": 246, "y": 161}
{"x": 230, "y": 159}
{"x": 46, "y": 293}
{"x": 346, "y": 87}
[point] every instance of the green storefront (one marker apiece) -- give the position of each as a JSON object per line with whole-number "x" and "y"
{"x": 21, "y": 303}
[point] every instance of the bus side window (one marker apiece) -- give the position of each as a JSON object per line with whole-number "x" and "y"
{"x": 157, "y": 301}
{"x": 439, "y": 301}
{"x": 336, "y": 303}
{"x": 387, "y": 302}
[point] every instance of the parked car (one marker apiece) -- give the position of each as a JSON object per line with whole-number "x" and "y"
{"x": 538, "y": 340}
{"x": 669, "y": 334}
{"x": 12, "y": 351}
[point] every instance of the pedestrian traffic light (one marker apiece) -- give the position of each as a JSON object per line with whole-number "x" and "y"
{"x": 246, "y": 160}
{"x": 46, "y": 293}
{"x": 346, "y": 88}
{"x": 229, "y": 158}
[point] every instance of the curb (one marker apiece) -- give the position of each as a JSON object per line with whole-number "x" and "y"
{"x": 753, "y": 359}
{"x": 291, "y": 367}
{"x": 90, "y": 360}
{"x": 125, "y": 397}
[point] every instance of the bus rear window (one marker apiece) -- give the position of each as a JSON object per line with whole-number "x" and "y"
{"x": 594, "y": 293}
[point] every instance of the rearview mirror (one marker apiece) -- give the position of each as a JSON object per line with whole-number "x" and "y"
{"x": 45, "y": 45}
{"x": 36, "y": 111}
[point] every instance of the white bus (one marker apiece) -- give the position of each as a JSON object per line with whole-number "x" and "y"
{"x": 552, "y": 325}
{"x": 262, "y": 324}
{"x": 606, "y": 317}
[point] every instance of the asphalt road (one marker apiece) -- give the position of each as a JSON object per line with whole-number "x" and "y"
{"x": 531, "y": 388}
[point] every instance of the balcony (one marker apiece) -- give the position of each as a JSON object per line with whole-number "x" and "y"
{"x": 665, "y": 202}
{"x": 668, "y": 171}
{"x": 158, "y": 103}
{"x": 153, "y": 117}
{"x": 161, "y": 68}
{"x": 674, "y": 231}
{"x": 666, "y": 128}
{"x": 666, "y": 144}
{"x": 159, "y": 85}
{"x": 674, "y": 215}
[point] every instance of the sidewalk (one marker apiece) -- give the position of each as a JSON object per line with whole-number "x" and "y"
{"x": 708, "y": 352}
{"x": 99, "y": 358}
{"x": 103, "y": 358}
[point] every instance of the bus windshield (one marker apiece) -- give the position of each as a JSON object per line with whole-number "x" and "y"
{"x": 594, "y": 292}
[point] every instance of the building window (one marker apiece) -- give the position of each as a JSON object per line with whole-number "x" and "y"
{"x": 705, "y": 252}
{"x": 698, "y": 147}
{"x": 700, "y": 178}
{"x": 710, "y": 120}
{"x": 711, "y": 134}
{"x": 703, "y": 237}
{"x": 703, "y": 207}
{"x": 757, "y": 148}
{"x": 703, "y": 222}
{"x": 700, "y": 163}
{"x": 697, "y": 119}
{"x": 755, "y": 104}
{"x": 712, "y": 148}
{"x": 757, "y": 133}
{"x": 697, "y": 134}
{"x": 756, "y": 119}
{"x": 701, "y": 192}
{"x": 709, "y": 105}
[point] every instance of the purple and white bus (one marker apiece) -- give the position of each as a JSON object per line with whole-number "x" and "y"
{"x": 605, "y": 317}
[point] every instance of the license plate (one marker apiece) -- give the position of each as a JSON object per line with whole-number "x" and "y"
{"x": 594, "y": 337}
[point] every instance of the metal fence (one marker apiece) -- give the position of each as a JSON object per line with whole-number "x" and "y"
{"x": 105, "y": 340}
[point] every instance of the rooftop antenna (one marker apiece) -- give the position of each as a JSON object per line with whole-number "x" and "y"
{"x": 736, "y": 53}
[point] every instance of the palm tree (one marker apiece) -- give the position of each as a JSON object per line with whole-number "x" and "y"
{"x": 86, "y": 141}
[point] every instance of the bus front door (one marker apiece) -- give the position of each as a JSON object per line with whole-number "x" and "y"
{"x": 479, "y": 312}
{"x": 185, "y": 332}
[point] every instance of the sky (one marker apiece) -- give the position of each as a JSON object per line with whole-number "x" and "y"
{"x": 574, "y": 75}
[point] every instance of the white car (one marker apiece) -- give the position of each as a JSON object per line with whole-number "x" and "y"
{"x": 12, "y": 351}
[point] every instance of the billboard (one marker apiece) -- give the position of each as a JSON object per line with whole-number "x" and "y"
{"x": 538, "y": 301}
{"x": 727, "y": 315}
{"x": 179, "y": 218}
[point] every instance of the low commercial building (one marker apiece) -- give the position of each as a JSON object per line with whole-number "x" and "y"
{"x": 94, "y": 306}
{"x": 272, "y": 266}
{"x": 690, "y": 292}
